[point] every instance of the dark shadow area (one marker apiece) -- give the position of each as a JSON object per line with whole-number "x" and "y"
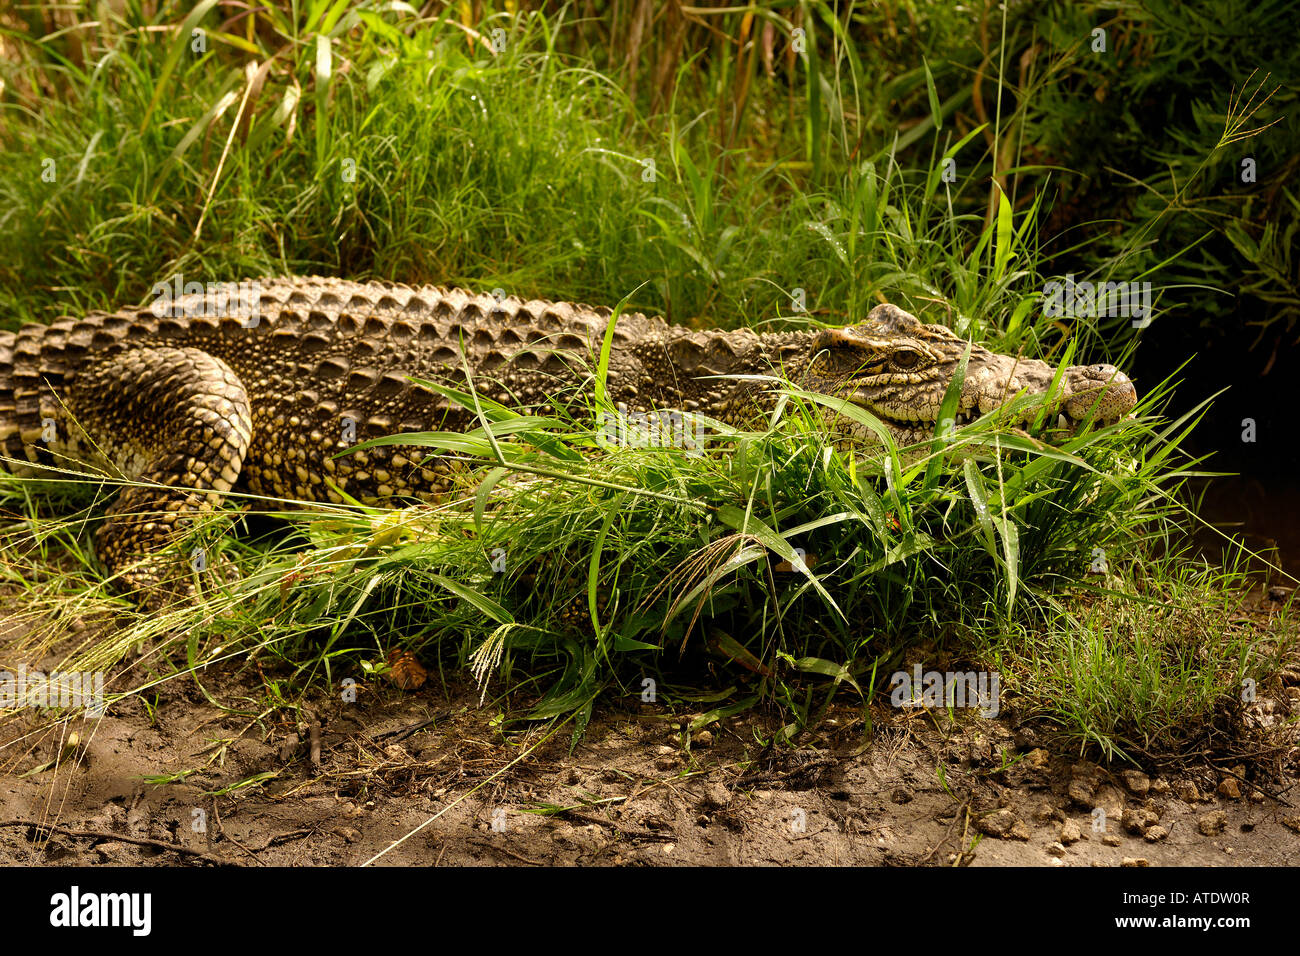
{"x": 1259, "y": 503}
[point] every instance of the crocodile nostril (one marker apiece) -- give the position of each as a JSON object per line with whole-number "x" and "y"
{"x": 1106, "y": 373}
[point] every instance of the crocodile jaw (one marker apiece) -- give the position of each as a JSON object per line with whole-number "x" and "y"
{"x": 1100, "y": 394}
{"x": 899, "y": 369}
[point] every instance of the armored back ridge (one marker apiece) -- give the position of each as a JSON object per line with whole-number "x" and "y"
{"x": 216, "y": 391}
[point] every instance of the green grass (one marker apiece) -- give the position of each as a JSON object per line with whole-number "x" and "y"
{"x": 334, "y": 138}
{"x": 1144, "y": 673}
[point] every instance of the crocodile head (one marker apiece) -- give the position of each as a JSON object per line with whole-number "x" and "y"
{"x": 899, "y": 369}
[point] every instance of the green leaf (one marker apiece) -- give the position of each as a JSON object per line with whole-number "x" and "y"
{"x": 607, "y": 345}
{"x": 483, "y": 603}
{"x": 947, "y": 413}
{"x": 814, "y": 120}
{"x": 462, "y": 442}
{"x": 936, "y": 111}
{"x": 1011, "y": 555}
{"x": 1007, "y": 531}
{"x": 593, "y": 568}
{"x": 824, "y": 231}
{"x": 324, "y": 76}
{"x": 626, "y": 644}
{"x": 484, "y": 492}
{"x": 739, "y": 707}
{"x": 818, "y": 665}
{"x": 1002, "y": 249}
{"x": 979, "y": 498}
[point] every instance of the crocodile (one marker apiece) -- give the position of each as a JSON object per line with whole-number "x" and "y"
{"x": 198, "y": 397}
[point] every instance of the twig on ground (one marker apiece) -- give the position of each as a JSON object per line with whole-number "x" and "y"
{"x": 121, "y": 838}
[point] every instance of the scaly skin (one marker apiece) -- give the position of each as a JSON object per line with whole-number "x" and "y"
{"x": 899, "y": 368}
{"x": 195, "y": 403}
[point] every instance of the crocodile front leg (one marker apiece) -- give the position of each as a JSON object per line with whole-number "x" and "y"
{"x": 176, "y": 421}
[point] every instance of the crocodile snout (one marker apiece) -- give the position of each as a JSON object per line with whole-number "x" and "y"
{"x": 1102, "y": 391}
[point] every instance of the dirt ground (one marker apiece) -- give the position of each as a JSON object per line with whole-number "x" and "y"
{"x": 427, "y": 778}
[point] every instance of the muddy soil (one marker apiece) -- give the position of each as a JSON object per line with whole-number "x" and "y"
{"x": 428, "y": 778}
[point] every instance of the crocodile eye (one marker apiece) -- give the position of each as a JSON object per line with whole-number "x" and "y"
{"x": 905, "y": 359}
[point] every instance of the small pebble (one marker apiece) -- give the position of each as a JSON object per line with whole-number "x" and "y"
{"x": 1212, "y": 823}
{"x": 1138, "y": 783}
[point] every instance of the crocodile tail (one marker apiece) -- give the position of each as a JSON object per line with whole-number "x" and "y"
{"x": 10, "y": 443}
{"x": 33, "y": 362}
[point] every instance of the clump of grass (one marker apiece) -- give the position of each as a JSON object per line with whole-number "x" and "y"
{"x": 1161, "y": 669}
